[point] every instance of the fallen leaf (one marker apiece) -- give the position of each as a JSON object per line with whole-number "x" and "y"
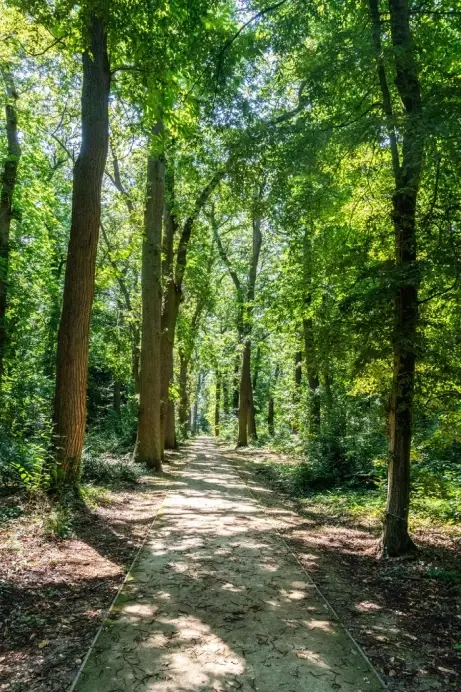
{"x": 43, "y": 643}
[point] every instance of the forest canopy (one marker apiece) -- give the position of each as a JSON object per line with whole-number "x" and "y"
{"x": 240, "y": 218}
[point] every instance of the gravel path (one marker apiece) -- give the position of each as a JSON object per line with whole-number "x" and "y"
{"x": 217, "y": 602}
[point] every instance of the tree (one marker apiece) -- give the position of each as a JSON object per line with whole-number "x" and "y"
{"x": 8, "y": 184}
{"x": 407, "y": 176}
{"x": 149, "y": 442}
{"x": 74, "y": 327}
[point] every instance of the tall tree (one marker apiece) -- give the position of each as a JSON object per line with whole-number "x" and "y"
{"x": 407, "y": 168}
{"x": 173, "y": 291}
{"x": 8, "y": 184}
{"x": 74, "y": 328}
{"x": 149, "y": 447}
{"x": 246, "y": 419}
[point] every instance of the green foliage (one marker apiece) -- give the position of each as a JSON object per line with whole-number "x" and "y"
{"x": 23, "y": 463}
{"x": 108, "y": 471}
{"x": 58, "y": 522}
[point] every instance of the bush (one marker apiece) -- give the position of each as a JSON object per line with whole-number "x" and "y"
{"x": 115, "y": 434}
{"x": 105, "y": 470}
{"x": 23, "y": 463}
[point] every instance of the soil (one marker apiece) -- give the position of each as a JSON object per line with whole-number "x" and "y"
{"x": 54, "y": 593}
{"x": 407, "y": 623}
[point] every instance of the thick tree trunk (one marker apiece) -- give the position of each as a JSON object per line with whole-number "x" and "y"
{"x": 8, "y": 184}
{"x": 396, "y": 540}
{"x": 74, "y": 328}
{"x": 217, "y": 408}
{"x": 117, "y": 396}
{"x": 173, "y": 291}
{"x": 270, "y": 417}
{"x": 149, "y": 444}
{"x": 184, "y": 407}
{"x": 169, "y": 316}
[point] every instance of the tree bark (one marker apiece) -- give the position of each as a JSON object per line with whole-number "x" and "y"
{"x": 195, "y": 410}
{"x": 297, "y": 392}
{"x": 251, "y": 411}
{"x": 149, "y": 443}
{"x": 184, "y": 406}
{"x": 244, "y": 396}
{"x": 236, "y": 384}
{"x": 247, "y": 423}
{"x": 8, "y": 184}
{"x": 217, "y": 408}
{"x": 117, "y": 396}
{"x": 312, "y": 372}
{"x": 74, "y": 328}
{"x": 169, "y": 317}
{"x": 270, "y": 417}
{"x": 173, "y": 292}
{"x": 225, "y": 395}
{"x": 407, "y": 174}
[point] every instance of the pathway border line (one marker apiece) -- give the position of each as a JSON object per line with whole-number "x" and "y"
{"x": 324, "y": 599}
{"x": 119, "y": 590}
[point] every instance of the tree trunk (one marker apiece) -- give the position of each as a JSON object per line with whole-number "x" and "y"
{"x": 236, "y": 386}
{"x": 296, "y": 395}
{"x": 117, "y": 396}
{"x": 195, "y": 412}
{"x": 169, "y": 316}
{"x": 74, "y": 328}
{"x": 247, "y": 424}
{"x": 396, "y": 540}
{"x": 149, "y": 444}
{"x": 225, "y": 396}
{"x": 312, "y": 373}
{"x": 184, "y": 407}
{"x": 251, "y": 412}
{"x": 217, "y": 407}
{"x": 244, "y": 396}
{"x": 270, "y": 417}
{"x": 8, "y": 184}
{"x": 170, "y": 441}
{"x": 313, "y": 380}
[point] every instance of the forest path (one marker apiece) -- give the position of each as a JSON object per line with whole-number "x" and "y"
{"x": 216, "y": 601}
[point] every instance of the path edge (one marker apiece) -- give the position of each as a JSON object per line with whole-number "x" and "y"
{"x": 119, "y": 590}
{"x": 324, "y": 599}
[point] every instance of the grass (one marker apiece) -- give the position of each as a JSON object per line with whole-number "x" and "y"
{"x": 430, "y": 502}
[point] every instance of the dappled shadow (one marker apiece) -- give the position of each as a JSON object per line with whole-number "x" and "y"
{"x": 111, "y": 535}
{"x": 217, "y": 602}
{"x": 407, "y": 621}
{"x": 53, "y": 592}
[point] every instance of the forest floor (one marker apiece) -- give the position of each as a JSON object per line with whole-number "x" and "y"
{"x": 54, "y": 591}
{"x": 404, "y": 613}
{"x": 222, "y": 513}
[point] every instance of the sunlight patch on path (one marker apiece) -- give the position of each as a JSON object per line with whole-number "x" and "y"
{"x": 216, "y": 602}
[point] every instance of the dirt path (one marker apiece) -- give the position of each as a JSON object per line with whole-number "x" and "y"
{"x": 216, "y": 601}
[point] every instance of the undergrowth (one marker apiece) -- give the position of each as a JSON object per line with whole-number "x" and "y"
{"x": 435, "y": 497}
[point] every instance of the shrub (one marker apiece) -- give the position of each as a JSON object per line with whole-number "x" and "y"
{"x": 105, "y": 470}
